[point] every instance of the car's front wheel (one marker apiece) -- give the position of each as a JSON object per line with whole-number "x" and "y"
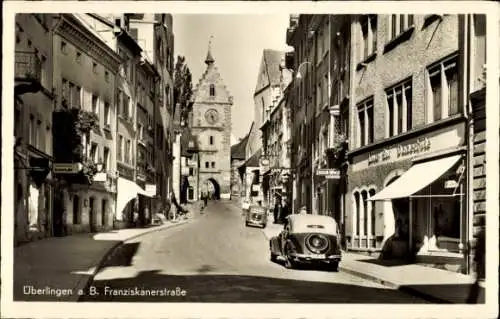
{"x": 273, "y": 257}
{"x": 289, "y": 262}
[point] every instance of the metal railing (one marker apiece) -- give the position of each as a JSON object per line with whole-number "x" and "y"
{"x": 28, "y": 66}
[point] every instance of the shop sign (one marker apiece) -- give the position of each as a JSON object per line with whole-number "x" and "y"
{"x": 450, "y": 184}
{"x": 328, "y": 173}
{"x": 151, "y": 189}
{"x": 67, "y": 168}
{"x": 419, "y": 146}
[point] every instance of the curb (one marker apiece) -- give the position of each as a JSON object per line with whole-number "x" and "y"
{"x": 85, "y": 283}
{"x": 398, "y": 287}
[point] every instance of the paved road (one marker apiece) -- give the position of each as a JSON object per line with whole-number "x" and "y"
{"x": 217, "y": 259}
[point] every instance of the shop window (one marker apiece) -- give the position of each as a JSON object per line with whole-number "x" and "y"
{"x": 372, "y": 214}
{"x": 399, "y": 109}
{"x": 356, "y": 213}
{"x": 442, "y": 87}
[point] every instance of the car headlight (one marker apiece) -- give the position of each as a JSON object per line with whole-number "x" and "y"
{"x": 317, "y": 243}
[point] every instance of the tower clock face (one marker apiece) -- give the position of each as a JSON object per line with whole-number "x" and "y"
{"x": 212, "y": 116}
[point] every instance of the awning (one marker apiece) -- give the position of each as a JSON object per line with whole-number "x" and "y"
{"x": 416, "y": 178}
{"x": 125, "y": 192}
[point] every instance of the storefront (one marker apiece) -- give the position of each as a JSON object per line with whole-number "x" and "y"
{"x": 408, "y": 198}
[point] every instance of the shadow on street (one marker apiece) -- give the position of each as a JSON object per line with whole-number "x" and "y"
{"x": 234, "y": 288}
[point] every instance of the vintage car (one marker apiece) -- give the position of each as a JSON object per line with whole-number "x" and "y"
{"x": 256, "y": 216}
{"x": 311, "y": 239}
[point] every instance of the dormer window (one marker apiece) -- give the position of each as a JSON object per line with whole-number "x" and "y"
{"x": 212, "y": 90}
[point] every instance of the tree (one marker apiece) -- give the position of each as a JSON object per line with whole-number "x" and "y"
{"x": 183, "y": 88}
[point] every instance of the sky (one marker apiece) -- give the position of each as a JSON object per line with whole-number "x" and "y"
{"x": 237, "y": 45}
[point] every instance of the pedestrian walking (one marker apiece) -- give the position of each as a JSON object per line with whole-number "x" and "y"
{"x": 277, "y": 212}
{"x": 479, "y": 261}
{"x": 205, "y": 199}
{"x": 285, "y": 211}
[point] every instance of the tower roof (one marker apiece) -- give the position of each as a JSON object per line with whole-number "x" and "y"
{"x": 210, "y": 59}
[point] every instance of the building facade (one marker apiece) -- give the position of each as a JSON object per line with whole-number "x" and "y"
{"x": 238, "y": 159}
{"x": 154, "y": 34}
{"x": 34, "y": 103}
{"x": 84, "y": 75}
{"x": 408, "y": 120}
{"x": 276, "y": 142}
{"x": 211, "y": 123}
{"x": 190, "y": 167}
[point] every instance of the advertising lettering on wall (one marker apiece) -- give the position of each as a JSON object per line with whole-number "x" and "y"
{"x": 419, "y": 146}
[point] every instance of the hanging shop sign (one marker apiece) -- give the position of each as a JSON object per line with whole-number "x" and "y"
{"x": 67, "y": 168}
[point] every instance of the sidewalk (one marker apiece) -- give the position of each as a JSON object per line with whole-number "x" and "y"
{"x": 435, "y": 285}
{"x": 69, "y": 262}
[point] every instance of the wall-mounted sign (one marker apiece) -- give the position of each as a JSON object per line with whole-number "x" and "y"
{"x": 328, "y": 173}
{"x": 421, "y": 145}
{"x": 67, "y": 168}
{"x": 264, "y": 161}
{"x": 450, "y": 184}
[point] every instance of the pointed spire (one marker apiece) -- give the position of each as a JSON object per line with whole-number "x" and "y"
{"x": 209, "y": 60}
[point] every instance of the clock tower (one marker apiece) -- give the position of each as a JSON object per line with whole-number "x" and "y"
{"x": 211, "y": 122}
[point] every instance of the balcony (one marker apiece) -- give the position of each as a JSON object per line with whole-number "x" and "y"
{"x": 28, "y": 70}
{"x": 28, "y": 67}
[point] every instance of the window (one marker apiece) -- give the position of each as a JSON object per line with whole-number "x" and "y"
{"x": 400, "y": 23}
{"x": 365, "y": 123}
{"x": 369, "y": 35}
{"x": 125, "y": 106}
{"x": 120, "y": 148}
{"x": 94, "y": 154}
{"x": 106, "y": 76}
{"x": 127, "y": 152}
{"x": 78, "y": 57}
{"x": 213, "y": 164}
{"x": 140, "y": 131}
{"x": 212, "y": 90}
{"x": 190, "y": 193}
{"x": 31, "y": 130}
{"x": 191, "y": 171}
{"x": 95, "y": 104}
{"x": 442, "y": 98}
{"x": 373, "y": 215}
{"x": 77, "y": 97}
{"x": 107, "y": 115}
{"x": 211, "y": 140}
{"x": 399, "y": 109}
{"x": 105, "y": 163}
{"x": 94, "y": 67}
{"x": 64, "y": 47}
{"x": 207, "y": 165}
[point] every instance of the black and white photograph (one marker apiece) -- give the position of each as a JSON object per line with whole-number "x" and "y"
{"x": 281, "y": 159}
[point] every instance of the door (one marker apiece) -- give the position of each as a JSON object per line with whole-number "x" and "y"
{"x": 91, "y": 214}
{"x": 104, "y": 217}
{"x": 57, "y": 218}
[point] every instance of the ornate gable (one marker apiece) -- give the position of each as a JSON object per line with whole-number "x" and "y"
{"x": 212, "y": 78}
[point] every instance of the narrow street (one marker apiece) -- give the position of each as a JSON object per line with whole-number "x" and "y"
{"x": 217, "y": 259}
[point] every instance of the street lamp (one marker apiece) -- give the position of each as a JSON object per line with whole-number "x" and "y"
{"x": 299, "y": 76}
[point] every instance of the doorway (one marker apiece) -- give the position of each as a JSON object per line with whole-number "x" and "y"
{"x": 104, "y": 216}
{"x": 91, "y": 214}
{"x": 58, "y": 222}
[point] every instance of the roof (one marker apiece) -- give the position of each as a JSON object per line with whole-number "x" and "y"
{"x": 238, "y": 150}
{"x": 305, "y": 223}
{"x": 253, "y": 161}
{"x": 189, "y": 143}
{"x": 273, "y": 59}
